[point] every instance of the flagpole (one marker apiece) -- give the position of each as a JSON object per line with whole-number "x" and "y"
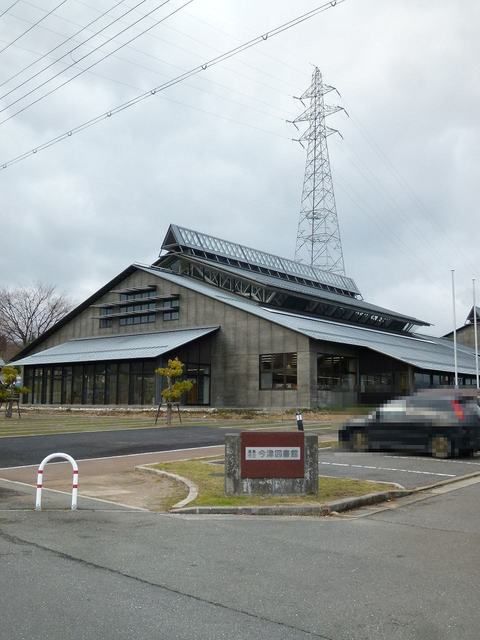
{"x": 454, "y": 330}
{"x": 475, "y": 331}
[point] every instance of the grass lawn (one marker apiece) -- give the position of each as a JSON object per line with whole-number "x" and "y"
{"x": 209, "y": 479}
{"x": 43, "y": 422}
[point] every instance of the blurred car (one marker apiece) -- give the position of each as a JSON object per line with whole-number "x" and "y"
{"x": 443, "y": 422}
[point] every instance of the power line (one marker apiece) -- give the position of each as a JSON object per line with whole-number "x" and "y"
{"x": 203, "y": 67}
{"x": 33, "y": 25}
{"x": 45, "y": 55}
{"x": 10, "y": 7}
{"x": 283, "y": 91}
{"x": 45, "y": 95}
{"x": 85, "y": 56}
{"x": 174, "y": 66}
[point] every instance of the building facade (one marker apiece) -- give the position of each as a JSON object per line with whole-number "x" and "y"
{"x": 253, "y": 330}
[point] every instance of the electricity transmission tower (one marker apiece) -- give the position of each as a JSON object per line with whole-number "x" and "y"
{"x": 318, "y": 236}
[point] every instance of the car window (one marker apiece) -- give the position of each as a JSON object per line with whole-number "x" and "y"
{"x": 392, "y": 411}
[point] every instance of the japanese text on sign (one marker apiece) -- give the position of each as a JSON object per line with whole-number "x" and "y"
{"x": 270, "y": 453}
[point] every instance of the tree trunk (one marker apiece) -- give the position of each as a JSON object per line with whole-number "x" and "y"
{"x": 169, "y": 413}
{"x": 9, "y": 409}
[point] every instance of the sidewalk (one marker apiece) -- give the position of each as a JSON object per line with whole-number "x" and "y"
{"x": 112, "y": 479}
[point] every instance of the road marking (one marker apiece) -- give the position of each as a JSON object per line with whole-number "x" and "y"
{"x": 127, "y": 455}
{"x": 361, "y": 466}
{"x": 83, "y": 496}
{"x": 476, "y": 464}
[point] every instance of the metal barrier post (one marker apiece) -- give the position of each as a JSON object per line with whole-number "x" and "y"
{"x": 65, "y": 456}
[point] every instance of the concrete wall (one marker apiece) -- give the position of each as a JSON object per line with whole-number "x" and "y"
{"x": 466, "y": 335}
{"x": 234, "y": 349}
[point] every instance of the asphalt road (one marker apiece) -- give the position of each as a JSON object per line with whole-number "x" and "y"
{"x": 405, "y": 574}
{"x": 406, "y": 470}
{"x": 101, "y": 444}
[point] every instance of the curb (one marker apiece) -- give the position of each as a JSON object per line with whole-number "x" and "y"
{"x": 299, "y": 510}
{"x": 192, "y": 487}
{"x": 329, "y": 508}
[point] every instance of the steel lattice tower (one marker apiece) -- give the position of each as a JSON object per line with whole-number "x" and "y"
{"x": 318, "y": 236}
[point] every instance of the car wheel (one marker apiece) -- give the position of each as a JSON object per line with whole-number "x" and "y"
{"x": 441, "y": 447}
{"x": 359, "y": 441}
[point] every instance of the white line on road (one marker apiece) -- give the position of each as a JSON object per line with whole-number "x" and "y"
{"x": 361, "y": 466}
{"x": 127, "y": 455}
{"x": 476, "y": 464}
{"x": 68, "y": 493}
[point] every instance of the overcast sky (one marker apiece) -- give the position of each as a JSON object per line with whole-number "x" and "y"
{"x": 215, "y": 154}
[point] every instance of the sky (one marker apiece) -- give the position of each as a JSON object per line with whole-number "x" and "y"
{"x": 215, "y": 152}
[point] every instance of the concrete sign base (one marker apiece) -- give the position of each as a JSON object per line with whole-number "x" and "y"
{"x": 237, "y": 484}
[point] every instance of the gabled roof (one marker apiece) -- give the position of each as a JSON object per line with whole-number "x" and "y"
{"x": 470, "y": 317}
{"x": 76, "y": 310}
{"x": 121, "y": 347}
{"x": 424, "y": 352}
{"x": 468, "y": 323}
{"x": 182, "y": 239}
{"x": 310, "y": 292}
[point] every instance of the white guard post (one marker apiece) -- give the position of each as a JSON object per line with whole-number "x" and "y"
{"x": 52, "y": 456}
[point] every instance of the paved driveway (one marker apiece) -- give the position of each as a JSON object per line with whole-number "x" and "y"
{"x": 103, "y": 444}
{"x": 409, "y": 471}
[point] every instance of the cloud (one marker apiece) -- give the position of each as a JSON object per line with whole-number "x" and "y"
{"x": 215, "y": 153}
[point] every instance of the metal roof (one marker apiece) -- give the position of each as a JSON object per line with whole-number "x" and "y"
{"x": 182, "y": 237}
{"x": 320, "y": 294}
{"x": 123, "y": 347}
{"x": 424, "y": 352}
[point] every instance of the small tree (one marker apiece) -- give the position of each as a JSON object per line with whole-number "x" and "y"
{"x": 9, "y": 388}
{"x": 175, "y": 388}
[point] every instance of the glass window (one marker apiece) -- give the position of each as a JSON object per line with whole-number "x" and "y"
{"x": 37, "y": 385}
{"x": 77, "y": 387}
{"x": 422, "y": 380}
{"x": 199, "y": 374}
{"x": 99, "y": 388}
{"x": 143, "y": 319}
{"x": 56, "y": 385}
{"x": 28, "y": 382}
{"x": 381, "y": 382}
{"x": 111, "y": 383}
{"x": 148, "y": 383}
{"x": 47, "y": 385}
{"x": 88, "y": 383}
{"x": 106, "y": 323}
{"x": 136, "y": 378}
{"x": 278, "y": 371}
{"x": 335, "y": 372}
{"x": 67, "y": 385}
{"x": 138, "y": 295}
{"x": 123, "y": 375}
{"x": 106, "y": 311}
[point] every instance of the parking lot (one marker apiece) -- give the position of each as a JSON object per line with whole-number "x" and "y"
{"x": 408, "y": 471}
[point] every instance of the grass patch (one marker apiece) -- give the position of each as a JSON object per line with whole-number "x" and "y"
{"x": 45, "y": 422}
{"x": 327, "y": 444}
{"x": 209, "y": 479}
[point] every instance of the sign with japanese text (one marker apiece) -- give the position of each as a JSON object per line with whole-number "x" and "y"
{"x": 272, "y": 454}
{"x": 269, "y": 453}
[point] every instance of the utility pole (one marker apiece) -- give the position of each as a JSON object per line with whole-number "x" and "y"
{"x": 318, "y": 237}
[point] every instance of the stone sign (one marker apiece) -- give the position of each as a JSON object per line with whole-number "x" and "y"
{"x": 271, "y": 462}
